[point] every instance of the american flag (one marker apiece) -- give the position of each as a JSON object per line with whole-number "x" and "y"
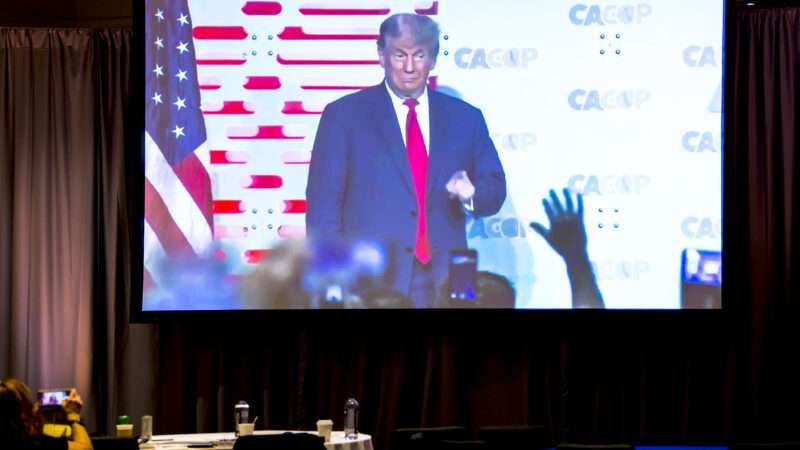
{"x": 178, "y": 203}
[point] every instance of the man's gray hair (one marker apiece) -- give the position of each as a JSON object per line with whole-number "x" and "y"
{"x": 422, "y": 28}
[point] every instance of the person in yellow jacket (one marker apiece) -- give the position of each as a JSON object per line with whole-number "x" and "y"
{"x": 22, "y": 427}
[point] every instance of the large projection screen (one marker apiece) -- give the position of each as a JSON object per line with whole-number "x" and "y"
{"x": 618, "y": 102}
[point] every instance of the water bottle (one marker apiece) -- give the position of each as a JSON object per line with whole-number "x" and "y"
{"x": 351, "y": 419}
{"x": 147, "y": 428}
{"x": 241, "y": 414}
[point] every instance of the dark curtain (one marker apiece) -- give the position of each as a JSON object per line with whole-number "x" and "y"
{"x": 64, "y": 240}
{"x": 763, "y": 204}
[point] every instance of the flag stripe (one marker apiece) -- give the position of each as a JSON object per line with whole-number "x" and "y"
{"x": 197, "y": 182}
{"x": 147, "y": 281}
{"x": 164, "y": 227}
{"x": 177, "y": 199}
{"x": 154, "y": 255}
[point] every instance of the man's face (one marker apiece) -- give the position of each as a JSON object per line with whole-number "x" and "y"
{"x": 406, "y": 64}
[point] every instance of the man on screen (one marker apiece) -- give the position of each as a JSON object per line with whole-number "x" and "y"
{"x": 403, "y": 164}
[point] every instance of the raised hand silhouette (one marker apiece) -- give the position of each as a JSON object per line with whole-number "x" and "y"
{"x": 567, "y": 236}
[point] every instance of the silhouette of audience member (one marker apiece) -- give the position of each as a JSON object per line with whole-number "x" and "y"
{"x": 567, "y": 236}
{"x": 276, "y": 282}
{"x": 387, "y": 298}
{"x": 22, "y": 426}
{"x": 318, "y": 275}
{"x": 491, "y": 291}
{"x": 494, "y": 291}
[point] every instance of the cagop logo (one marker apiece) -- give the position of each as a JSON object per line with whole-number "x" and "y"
{"x": 587, "y": 15}
{"x": 514, "y": 142}
{"x": 629, "y": 184}
{"x": 701, "y": 141}
{"x": 702, "y": 56}
{"x": 494, "y": 58}
{"x": 497, "y": 227}
{"x": 701, "y": 228}
{"x": 620, "y": 270}
{"x": 589, "y": 100}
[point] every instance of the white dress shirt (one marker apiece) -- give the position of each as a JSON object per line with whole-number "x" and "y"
{"x": 424, "y": 119}
{"x": 423, "y": 114}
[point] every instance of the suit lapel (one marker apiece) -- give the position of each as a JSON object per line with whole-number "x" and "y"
{"x": 437, "y": 148}
{"x": 385, "y": 120}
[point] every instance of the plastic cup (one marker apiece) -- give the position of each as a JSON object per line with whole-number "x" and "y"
{"x": 125, "y": 430}
{"x": 246, "y": 428}
{"x": 324, "y": 428}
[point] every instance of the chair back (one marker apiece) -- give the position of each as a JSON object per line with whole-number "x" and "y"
{"x": 285, "y": 441}
{"x": 114, "y": 443}
{"x": 427, "y": 438}
{"x": 529, "y": 437}
{"x": 570, "y": 446}
{"x": 462, "y": 445}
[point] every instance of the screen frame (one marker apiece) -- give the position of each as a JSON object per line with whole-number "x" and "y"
{"x": 135, "y": 164}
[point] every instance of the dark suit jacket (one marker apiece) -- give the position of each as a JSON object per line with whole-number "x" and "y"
{"x": 360, "y": 186}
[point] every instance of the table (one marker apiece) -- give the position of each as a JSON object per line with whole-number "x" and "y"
{"x": 224, "y": 441}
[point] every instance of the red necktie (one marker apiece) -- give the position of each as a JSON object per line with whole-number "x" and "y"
{"x": 418, "y": 160}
